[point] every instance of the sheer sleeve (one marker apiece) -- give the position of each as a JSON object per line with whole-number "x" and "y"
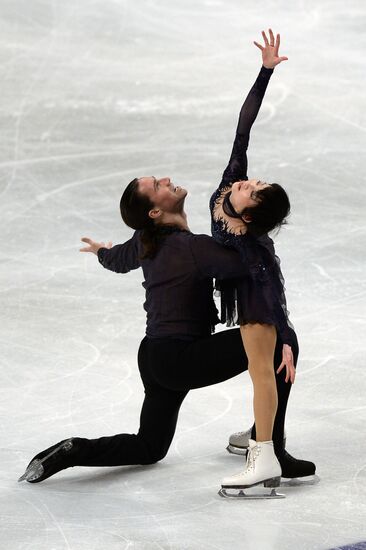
{"x": 238, "y": 164}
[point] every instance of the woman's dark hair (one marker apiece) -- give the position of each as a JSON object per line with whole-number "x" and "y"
{"x": 135, "y": 208}
{"x": 271, "y": 211}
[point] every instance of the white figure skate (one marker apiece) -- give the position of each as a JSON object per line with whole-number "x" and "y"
{"x": 262, "y": 468}
{"x": 239, "y": 442}
{"x": 294, "y": 472}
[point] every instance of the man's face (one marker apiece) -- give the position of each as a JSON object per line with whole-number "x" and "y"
{"x": 163, "y": 194}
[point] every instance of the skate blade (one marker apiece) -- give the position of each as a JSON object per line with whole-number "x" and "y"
{"x": 255, "y": 491}
{"x": 249, "y": 494}
{"x": 34, "y": 471}
{"x": 299, "y": 481}
{"x": 236, "y": 450}
{"x": 35, "y": 468}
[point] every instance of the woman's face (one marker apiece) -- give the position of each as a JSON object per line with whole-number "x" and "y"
{"x": 243, "y": 193}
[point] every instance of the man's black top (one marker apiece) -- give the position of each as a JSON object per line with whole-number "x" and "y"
{"x": 178, "y": 281}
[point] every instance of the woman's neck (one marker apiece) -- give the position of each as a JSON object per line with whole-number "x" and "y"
{"x": 225, "y": 211}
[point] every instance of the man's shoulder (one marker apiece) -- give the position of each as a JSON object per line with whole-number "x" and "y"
{"x": 196, "y": 243}
{"x": 189, "y": 236}
{"x": 199, "y": 238}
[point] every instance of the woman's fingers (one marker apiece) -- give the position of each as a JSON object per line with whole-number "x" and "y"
{"x": 282, "y": 365}
{"x": 290, "y": 371}
{"x": 277, "y": 44}
{"x": 288, "y": 361}
{"x": 259, "y": 46}
{"x": 86, "y": 240}
{"x": 271, "y": 37}
{"x": 290, "y": 374}
{"x": 265, "y": 38}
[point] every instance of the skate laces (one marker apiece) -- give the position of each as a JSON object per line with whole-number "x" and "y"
{"x": 253, "y": 453}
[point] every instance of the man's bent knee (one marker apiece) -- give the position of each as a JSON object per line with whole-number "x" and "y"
{"x": 153, "y": 453}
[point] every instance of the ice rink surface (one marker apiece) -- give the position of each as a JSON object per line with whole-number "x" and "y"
{"x": 94, "y": 93}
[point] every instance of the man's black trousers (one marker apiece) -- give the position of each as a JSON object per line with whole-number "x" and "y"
{"x": 169, "y": 370}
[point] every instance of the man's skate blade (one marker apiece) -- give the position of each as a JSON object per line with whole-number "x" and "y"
{"x": 250, "y": 494}
{"x": 236, "y": 450}
{"x": 299, "y": 481}
{"x": 34, "y": 471}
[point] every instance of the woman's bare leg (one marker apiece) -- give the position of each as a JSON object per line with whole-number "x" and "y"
{"x": 259, "y": 342}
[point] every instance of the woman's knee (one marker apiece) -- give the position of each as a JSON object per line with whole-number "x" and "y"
{"x": 262, "y": 371}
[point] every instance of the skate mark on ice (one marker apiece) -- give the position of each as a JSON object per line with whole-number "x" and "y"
{"x": 332, "y": 114}
{"x": 44, "y": 196}
{"x": 317, "y": 366}
{"x": 359, "y": 486}
{"x": 203, "y": 424}
{"x": 322, "y": 272}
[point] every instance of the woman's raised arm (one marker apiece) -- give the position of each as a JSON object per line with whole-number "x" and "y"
{"x": 238, "y": 164}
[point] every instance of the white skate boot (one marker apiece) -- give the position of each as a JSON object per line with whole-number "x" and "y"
{"x": 239, "y": 442}
{"x": 262, "y": 467}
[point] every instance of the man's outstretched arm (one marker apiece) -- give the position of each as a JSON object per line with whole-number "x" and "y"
{"x": 120, "y": 258}
{"x": 238, "y": 164}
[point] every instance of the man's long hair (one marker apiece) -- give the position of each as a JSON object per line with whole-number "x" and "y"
{"x": 135, "y": 208}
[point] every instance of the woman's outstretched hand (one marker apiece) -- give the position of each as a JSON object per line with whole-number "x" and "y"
{"x": 93, "y": 245}
{"x": 288, "y": 362}
{"x": 270, "y": 57}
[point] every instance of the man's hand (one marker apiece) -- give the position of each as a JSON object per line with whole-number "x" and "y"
{"x": 93, "y": 246}
{"x": 288, "y": 362}
{"x": 270, "y": 49}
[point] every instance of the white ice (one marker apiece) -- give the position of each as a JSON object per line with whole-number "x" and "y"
{"x": 94, "y": 93}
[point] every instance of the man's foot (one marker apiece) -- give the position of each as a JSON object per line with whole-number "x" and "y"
{"x": 49, "y": 462}
{"x": 297, "y": 471}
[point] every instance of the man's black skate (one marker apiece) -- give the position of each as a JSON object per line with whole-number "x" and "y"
{"x": 295, "y": 471}
{"x": 49, "y": 462}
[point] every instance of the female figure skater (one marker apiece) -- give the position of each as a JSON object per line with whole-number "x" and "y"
{"x": 243, "y": 212}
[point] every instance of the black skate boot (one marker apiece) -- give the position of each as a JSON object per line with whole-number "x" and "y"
{"x": 52, "y": 460}
{"x": 295, "y": 471}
